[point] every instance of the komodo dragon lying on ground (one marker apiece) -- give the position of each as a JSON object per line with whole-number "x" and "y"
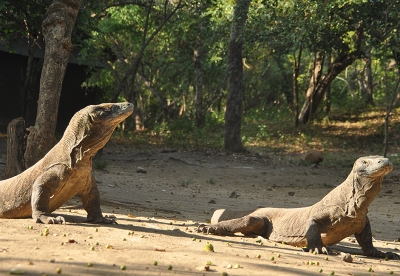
{"x": 339, "y": 214}
{"x": 66, "y": 170}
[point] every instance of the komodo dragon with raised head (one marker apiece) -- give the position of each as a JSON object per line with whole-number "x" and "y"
{"x": 341, "y": 213}
{"x": 66, "y": 170}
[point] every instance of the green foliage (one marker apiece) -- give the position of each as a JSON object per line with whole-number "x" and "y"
{"x": 164, "y": 89}
{"x": 182, "y": 133}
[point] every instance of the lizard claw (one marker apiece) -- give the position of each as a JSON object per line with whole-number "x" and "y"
{"x": 207, "y": 229}
{"x": 56, "y": 220}
{"x": 199, "y": 229}
{"x": 318, "y": 250}
{"x": 215, "y": 229}
{"x": 392, "y": 256}
{"x": 50, "y": 220}
{"x": 101, "y": 220}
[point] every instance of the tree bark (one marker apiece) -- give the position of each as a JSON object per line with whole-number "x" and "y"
{"x": 200, "y": 116}
{"x": 328, "y": 90}
{"x": 234, "y": 67}
{"x": 57, "y": 29}
{"x": 314, "y": 81}
{"x": 341, "y": 62}
{"x": 312, "y": 101}
{"x": 296, "y": 69}
{"x": 15, "y": 148}
{"x": 28, "y": 79}
{"x": 367, "y": 85}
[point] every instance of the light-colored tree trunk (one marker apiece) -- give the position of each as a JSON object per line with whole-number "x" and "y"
{"x": 15, "y": 148}
{"x": 366, "y": 82}
{"x": 57, "y": 29}
{"x": 340, "y": 63}
{"x": 314, "y": 81}
{"x": 328, "y": 90}
{"x": 234, "y": 67}
{"x": 200, "y": 114}
{"x": 296, "y": 69}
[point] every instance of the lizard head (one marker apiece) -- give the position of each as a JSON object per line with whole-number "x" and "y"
{"x": 108, "y": 114}
{"x": 92, "y": 127}
{"x": 372, "y": 166}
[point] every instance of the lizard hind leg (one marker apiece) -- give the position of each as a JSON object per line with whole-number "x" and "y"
{"x": 247, "y": 225}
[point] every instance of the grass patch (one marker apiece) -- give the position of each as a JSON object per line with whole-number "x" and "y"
{"x": 185, "y": 182}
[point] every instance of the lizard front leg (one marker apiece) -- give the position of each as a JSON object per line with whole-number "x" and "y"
{"x": 364, "y": 239}
{"x": 42, "y": 190}
{"x": 247, "y": 225}
{"x": 91, "y": 202}
{"x": 314, "y": 241}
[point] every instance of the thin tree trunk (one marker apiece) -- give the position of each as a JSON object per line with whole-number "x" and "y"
{"x": 328, "y": 90}
{"x": 167, "y": 112}
{"x": 234, "y": 66}
{"x": 389, "y": 107}
{"x": 27, "y": 80}
{"x": 311, "y": 104}
{"x": 15, "y": 148}
{"x": 296, "y": 69}
{"x": 314, "y": 81}
{"x": 367, "y": 80}
{"x": 133, "y": 69}
{"x": 57, "y": 29}
{"x": 200, "y": 114}
{"x": 340, "y": 63}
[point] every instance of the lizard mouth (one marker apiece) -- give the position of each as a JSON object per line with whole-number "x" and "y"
{"x": 381, "y": 171}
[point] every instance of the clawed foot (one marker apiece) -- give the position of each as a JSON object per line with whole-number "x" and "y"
{"x": 207, "y": 229}
{"x": 387, "y": 255}
{"x": 318, "y": 250}
{"x": 380, "y": 254}
{"x": 100, "y": 220}
{"x": 392, "y": 256}
{"x": 50, "y": 220}
{"x": 212, "y": 229}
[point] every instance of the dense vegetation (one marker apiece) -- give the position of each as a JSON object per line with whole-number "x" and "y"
{"x": 306, "y": 65}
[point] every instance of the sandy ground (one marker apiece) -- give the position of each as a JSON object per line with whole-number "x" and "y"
{"x": 158, "y": 211}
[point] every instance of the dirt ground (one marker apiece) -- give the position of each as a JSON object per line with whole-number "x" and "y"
{"x": 158, "y": 211}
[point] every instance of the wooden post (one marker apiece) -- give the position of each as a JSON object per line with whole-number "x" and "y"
{"x": 15, "y": 148}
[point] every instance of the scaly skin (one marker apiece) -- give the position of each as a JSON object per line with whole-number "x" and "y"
{"x": 339, "y": 214}
{"x": 66, "y": 170}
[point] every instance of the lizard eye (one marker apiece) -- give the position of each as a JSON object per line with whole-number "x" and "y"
{"x": 364, "y": 162}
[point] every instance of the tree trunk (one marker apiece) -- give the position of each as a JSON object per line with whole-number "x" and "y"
{"x": 200, "y": 114}
{"x": 15, "y": 148}
{"x": 367, "y": 80}
{"x": 312, "y": 101}
{"x": 328, "y": 90}
{"x": 133, "y": 69}
{"x": 234, "y": 67}
{"x": 314, "y": 81}
{"x": 28, "y": 79}
{"x": 57, "y": 29}
{"x": 167, "y": 110}
{"x": 338, "y": 65}
{"x": 296, "y": 69}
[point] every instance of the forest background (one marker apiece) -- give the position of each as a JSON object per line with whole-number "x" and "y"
{"x": 286, "y": 76}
